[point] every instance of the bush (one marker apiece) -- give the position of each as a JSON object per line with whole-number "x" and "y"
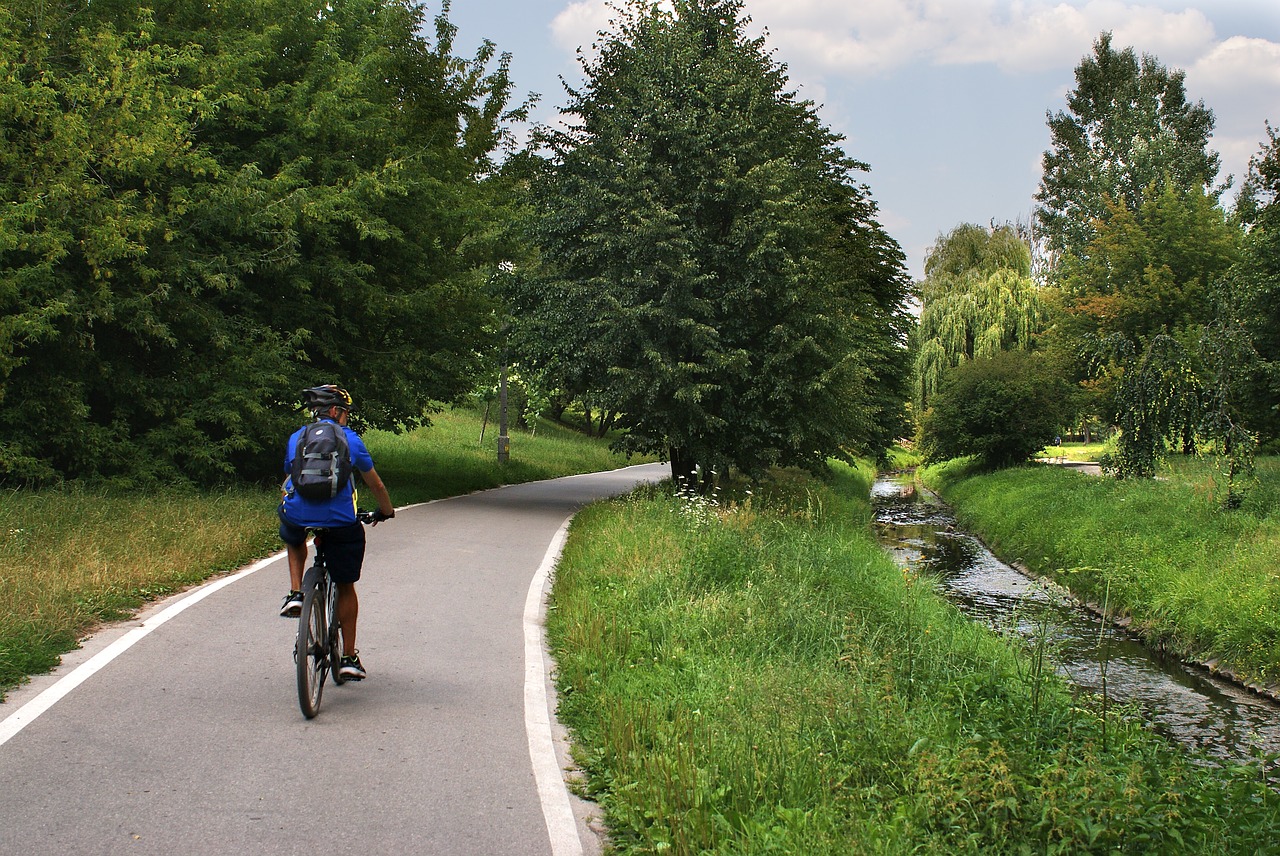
{"x": 1002, "y": 409}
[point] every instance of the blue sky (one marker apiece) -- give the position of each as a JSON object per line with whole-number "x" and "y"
{"x": 944, "y": 99}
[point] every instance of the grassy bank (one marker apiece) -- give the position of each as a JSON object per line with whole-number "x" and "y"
{"x": 73, "y": 557}
{"x": 1203, "y": 582}
{"x": 761, "y": 678}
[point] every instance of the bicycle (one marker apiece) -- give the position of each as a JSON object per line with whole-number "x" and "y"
{"x": 318, "y": 649}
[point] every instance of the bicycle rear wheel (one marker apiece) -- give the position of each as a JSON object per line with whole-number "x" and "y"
{"x": 312, "y": 650}
{"x": 335, "y": 636}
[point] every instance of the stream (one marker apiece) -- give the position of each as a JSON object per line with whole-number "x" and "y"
{"x": 1188, "y": 705}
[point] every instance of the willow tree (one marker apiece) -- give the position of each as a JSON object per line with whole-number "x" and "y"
{"x": 977, "y": 299}
{"x": 717, "y": 274}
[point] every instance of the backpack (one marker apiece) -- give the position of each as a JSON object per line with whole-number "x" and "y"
{"x": 322, "y": 463}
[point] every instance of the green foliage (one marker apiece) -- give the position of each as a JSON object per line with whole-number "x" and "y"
{"x": 1134, "y": 305}
{"x": 1004, "y": 409}
{"x": 977, "y": 299}
{"x": 1255, "y": 285}
{"x": 1148, "y": 269}
{"x": 710, "y": 271}
{"x": 1157, "y": 400}
{"x": 209, "y": 207}
{"x": 1127, "y": 126}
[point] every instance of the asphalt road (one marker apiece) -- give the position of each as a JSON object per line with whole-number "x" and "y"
{"x": 190, "y": 741}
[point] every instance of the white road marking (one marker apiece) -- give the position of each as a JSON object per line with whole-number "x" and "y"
{"x": 562, "y": 827}
{"x": 28, "y": 713}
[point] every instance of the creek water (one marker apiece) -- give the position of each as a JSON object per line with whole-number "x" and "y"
{"x": 1224, "y": 721}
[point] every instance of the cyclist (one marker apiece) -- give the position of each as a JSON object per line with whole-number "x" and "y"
{"x": 344, "y": 534}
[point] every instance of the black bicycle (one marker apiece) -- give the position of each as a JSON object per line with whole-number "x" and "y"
{"x": 318, "y": 650}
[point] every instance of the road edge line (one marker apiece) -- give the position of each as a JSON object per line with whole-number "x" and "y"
{"x": 553, "y": 793}
{"x": 30, "y": 711}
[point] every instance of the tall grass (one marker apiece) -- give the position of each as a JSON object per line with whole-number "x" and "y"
{"x": 759, "y": 677}
{"x": 75, "y": 556}
{"x": 1198, "y": 580}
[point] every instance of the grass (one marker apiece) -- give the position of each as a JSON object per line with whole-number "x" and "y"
{"x": 74, "y": 557}
{"x": 1197, "y": 580}
{"x": 759, "y": 677}
{"x": 1074, "y": 451}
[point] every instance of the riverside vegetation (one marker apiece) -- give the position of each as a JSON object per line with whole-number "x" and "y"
{"x": 72, "y": 557}
{"x": 1197, "y": 581}
{"x": 757, "y": 676}
{"x": 751, "y": 676}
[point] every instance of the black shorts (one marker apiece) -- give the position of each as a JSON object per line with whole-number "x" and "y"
{"x": 343, "y": 548}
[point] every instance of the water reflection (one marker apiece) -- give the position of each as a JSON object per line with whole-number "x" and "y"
{"x": 1201, "y": 711}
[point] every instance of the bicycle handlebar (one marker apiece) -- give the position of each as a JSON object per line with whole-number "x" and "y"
{"x": 373, "y": 518}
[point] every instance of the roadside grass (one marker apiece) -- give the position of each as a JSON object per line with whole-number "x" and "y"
{"x": 448, "y": 459}
{"x": 758, "y": 676}
{"x": 1074, "y": 451}
{"x": 75, "y": 556}
{"x": 1202, "y": 582}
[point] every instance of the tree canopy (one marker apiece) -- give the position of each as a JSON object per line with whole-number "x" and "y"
{"x": 977, "y": 299}
{"x": 207, "y": 207}
{"x": 1127, "y": 125}
{"x": 710, "y": 269}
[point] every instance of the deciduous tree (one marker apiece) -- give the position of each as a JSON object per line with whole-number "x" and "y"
{"x": 1128, "y": 125}
{"x": 710, "y": 266}
{"x": 210, "y": 206}
{"x": 977, "y": 298}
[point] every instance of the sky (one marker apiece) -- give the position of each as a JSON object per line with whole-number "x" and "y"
{"x": 945, "y": 100}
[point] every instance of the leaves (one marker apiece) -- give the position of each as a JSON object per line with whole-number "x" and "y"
{"x": 1128, "y": 125}
{"x": 210, "y": 207}
{"x": 709, "y": 269}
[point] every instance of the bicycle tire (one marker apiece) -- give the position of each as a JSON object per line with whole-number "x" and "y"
{"x": 312, "y": 649}
{"x": 335, "y": 636}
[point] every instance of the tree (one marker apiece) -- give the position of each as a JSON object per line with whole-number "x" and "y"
{"x": 710, "y": 270}
{"x": 977, "y": 299}
{"x": 1254, "y": 283}
{"x": 1149, "y": 269}
{"x": 211, "y": 206}
{"x": 1127, "y": 126}
{"x": 1002, "y": 408}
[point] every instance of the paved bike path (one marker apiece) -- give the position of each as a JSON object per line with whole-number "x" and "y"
{"x": 191, "y": 741}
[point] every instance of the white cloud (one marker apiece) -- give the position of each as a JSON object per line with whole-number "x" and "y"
{"x": 838, "y": 37}
{"x": 1239, "y": 79}
{"x": 576, "y": 26}
{"x": 875, "y": 36}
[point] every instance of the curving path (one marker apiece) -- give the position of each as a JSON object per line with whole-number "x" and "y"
{"x": 183, "y": 733}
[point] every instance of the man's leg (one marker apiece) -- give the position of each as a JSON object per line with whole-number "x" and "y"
{"x": 348, "y": 612}
{"x": 297, "y": 563}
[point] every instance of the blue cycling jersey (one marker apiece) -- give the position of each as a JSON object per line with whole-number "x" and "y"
{"x": 329, "y": 513}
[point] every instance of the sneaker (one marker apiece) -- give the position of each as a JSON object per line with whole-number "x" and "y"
{"x": 350, "y": 668}
{"x": 292, "y": 606}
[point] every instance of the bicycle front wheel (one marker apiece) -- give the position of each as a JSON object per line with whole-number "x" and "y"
{"x": 312, "y": 651}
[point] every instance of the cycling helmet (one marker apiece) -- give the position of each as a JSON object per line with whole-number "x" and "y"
{"x": 320, "y": 398}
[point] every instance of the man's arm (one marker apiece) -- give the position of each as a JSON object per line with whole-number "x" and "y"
{"x": 374, "y": 482}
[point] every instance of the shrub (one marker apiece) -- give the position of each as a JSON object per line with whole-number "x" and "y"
{"x": 1002, "y": 409}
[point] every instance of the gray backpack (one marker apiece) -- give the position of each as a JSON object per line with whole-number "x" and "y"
{"x": 322, "y": 463}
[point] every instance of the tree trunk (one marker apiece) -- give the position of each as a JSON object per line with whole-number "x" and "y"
{"x": 682, "y": 469}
